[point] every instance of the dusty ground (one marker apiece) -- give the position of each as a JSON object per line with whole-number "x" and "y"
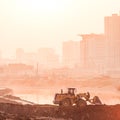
{"x": 49, "y": 112}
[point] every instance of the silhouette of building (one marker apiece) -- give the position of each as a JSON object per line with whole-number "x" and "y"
{"x": 112, "y": 27}
{"x": 93, "y": 52}
{"x": 18, "y": 69}
{"x": 26, "y": 58}
{"x": 71, "y": 53}
{"x": 112, "y": 36}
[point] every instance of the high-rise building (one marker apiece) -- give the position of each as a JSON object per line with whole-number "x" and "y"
{"x": 93, "y": 52}
{"x": 71, "y": 53}
{"x": 112, "y": 27}
{"x": 112, "y": 36}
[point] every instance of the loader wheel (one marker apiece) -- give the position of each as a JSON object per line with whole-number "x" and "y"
{"x": 81, "y": 103}
{"x": 66, "y": 102}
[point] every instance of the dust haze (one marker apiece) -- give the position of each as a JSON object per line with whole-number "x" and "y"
{"x": 59, "y": 45}
{"x": 42, "y": 91}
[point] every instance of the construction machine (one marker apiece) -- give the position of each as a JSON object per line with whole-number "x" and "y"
{"x": 70, "y": 98}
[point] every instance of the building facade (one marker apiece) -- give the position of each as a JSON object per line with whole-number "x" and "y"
{"x": 112, "y": 36}
{"x": 93, "y": 52}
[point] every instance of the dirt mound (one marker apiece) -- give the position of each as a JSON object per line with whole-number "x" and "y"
{"x": 49, "y": 112}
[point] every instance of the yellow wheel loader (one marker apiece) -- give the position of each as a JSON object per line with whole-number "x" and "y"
{"x": 70, "y": 98}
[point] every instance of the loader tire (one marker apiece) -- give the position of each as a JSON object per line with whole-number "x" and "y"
{"x": 81, "y": 103}
{"x": 66, "y": 103}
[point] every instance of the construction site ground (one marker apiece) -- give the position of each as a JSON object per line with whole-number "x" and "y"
{"x": 10, "y": 111}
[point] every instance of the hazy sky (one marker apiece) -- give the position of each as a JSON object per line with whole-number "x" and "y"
{"x": 31, "y": 24}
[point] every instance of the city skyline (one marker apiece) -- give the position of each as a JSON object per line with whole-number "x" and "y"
{"x": 95, "y": 52}
{"x": 31, "y": 25}
{"x": 49, "y": 45}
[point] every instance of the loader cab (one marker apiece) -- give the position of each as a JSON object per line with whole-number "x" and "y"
{"x": 71, "y": 91}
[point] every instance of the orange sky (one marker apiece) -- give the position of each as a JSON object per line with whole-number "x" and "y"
{"x": 31, "y": 24}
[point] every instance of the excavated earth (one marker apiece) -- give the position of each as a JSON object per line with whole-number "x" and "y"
{"x": 10, "y": 111}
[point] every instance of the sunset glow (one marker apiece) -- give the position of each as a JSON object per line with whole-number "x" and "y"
{"x": 60, "y": 59}
{"x": 47, "y": 23}
{"x": 44, "y": 6}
